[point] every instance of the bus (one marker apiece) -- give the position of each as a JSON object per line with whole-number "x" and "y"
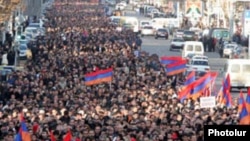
{"x": 219, "y": 33}
{"x": 164, "y": 22}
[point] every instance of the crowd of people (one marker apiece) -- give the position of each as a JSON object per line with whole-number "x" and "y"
{"x": 140, "y": 104}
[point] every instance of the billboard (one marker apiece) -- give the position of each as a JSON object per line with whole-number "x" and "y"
{"x": 193, "y": 8}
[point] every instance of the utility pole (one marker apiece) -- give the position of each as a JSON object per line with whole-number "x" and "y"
{"x": 231, "y": 18}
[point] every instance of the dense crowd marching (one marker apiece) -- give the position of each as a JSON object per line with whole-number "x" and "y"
{"x": 139, "y": 105}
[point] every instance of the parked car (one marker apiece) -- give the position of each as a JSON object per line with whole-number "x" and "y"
{"x": 147, "y": 31}
{"x": 199, "y": 65}
{"x": 119, "y": 6}
{"x": 22, "y": 49}
{"x": 177, "y": 43}
{"x": 179, "y": 33}
{"x": 200, "y": 57}
{"x": 23, "y": 42}
{"x": 161, "y": 33}
{"x": 144, "y": 23}
{"x": 228, "y": 50}
{"x": 189, "y": 35}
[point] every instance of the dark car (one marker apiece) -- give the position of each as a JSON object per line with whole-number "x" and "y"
{"x": 189, "y": 35}
{"x": 161, "y": 33}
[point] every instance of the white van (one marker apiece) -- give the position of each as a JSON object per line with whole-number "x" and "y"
{"x": 239, "y": 72}
{"x": 132, "y": 21}
{"x": 192, "y": 47}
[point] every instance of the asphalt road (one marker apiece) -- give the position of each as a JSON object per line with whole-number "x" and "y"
{"x": 161, "y": 48}
{"x": 33, "y": 7}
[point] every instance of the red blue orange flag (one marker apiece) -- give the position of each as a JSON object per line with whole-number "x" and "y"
{"x": 18, "y": 137}
{"x": 241, "y": 101}
{"x": 244, "y": 115}
{"x": 184, "y": 93}
{"x": 98, "y": 77}
{"x": 52, "y": 137}
{"x": 24, "y": 132}
{"x": 219, "y": 97}
{"x": 196, "y": 88}
{"x": 190, "y": 78}
{"x": 77, "y": 139}
{"x": 248, "y": 100}
{"x": 170, "y": 59}
{"x": 176, "y": 68}
{"x": 200, "y": 85}
{"x": 227, "y": 98}
{"x": 68, "y": 136}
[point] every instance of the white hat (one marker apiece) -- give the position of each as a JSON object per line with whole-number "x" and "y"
{"x": 25, "y": 110}
{"x": 174, "y": 95}
{"x": 81, "y": 112}
{"x": 41, "y": 111}
{"x": 197, "y": 107}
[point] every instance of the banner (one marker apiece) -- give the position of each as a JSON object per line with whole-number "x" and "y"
{"x": 207, "y": 102}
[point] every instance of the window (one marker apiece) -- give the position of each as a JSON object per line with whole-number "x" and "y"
{"x": 23, "y": 47}
{"x": 189, "y": 32}
{"x": 178, "y": 40}
{"x": 246, "y": 68}
{"x": 189, "y": 48}
{"x": 162, "y": 30}
{"x": 235, "y": 68}
{"x": 148, "y": 27}
{"x": 202, "y": 63}
{"x": 145, "y": 23}
{"x": 197, "y": 48}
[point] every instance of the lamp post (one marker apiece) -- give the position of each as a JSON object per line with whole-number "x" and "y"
{"x": 178, "y": 9}
{"x": 231, "y": 18}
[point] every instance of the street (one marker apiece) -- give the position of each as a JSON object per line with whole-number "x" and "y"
{"x": 161, "y": 48}
{"x": 33, "y": 7}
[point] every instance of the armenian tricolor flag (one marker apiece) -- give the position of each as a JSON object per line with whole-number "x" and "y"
{"x": 208, "y": 90}
{"x": 68, "y": 136}
{"x": 219, "y": 97}
{"x": 23, "y": 134}
{"x": 200, "y": 85}
{"x": 244, "y": 116}
{"x": 195, "y": 89}
{"x": 99, "y": 77}
{"x": 227, "y": 98}
{"x": 171, "y": 59}
{"x": 248, "y": 100}
{"x": 184, "y": 93}
{"x": 52, "y": 137}
{"x": 190, "y": 78}
{"x": 241, "y": 101}
{"x": 176, "y": 68}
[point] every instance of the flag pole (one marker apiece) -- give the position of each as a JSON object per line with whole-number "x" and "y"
{"x": 110, "y": 85}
